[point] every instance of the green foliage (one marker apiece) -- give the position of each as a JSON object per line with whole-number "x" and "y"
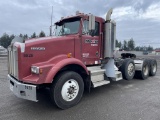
{"x": 144, "y": 48}
{"x": 131, "y": 44}
{"x": 125, "y": 45}
{"x": 25, "y": 36}
{"x": 150, "y": 48}
{"x": 118, "y": 44}
{"x": 5, "y": 40}
{"x": 20, "y": 35}
{"x": 33, "y": 35}
{"x": 42, "y": 34}
{"x": 137, "y": 48}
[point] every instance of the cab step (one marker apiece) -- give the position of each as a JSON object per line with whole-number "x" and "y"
{"x": 100, "y": 83}
{"x": 118, "y": 76}
{"x": 97, "y": 76}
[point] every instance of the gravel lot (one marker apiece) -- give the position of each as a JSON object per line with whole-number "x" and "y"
{"x": 123, "y": 100}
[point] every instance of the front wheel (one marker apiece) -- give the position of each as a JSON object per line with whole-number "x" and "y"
{"x": 67, "y": 90}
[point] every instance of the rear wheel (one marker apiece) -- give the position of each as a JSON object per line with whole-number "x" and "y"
{"x": 153, "y": 67}
{"x": 68, "y": 89}
{"x": 128, "y": 69}
{"x": 143, "y": 74}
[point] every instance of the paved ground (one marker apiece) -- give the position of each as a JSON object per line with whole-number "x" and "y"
{"x": 123, "y": 100}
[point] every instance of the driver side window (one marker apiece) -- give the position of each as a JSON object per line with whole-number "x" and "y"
{"x": 86, "y": 30}
{"x": 85, "y": 27}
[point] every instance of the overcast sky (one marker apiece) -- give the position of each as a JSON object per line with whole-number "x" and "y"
{"x": 137, "y": 19}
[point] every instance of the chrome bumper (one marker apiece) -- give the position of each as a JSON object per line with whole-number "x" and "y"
{"x": 21, "y": 90}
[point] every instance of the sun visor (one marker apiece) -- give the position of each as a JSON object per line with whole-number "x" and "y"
{"x": 69, "y": 19}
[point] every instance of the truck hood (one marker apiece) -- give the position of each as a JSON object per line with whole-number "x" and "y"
{"x": 43, "y": 49}
{"x": 46, "y": 39}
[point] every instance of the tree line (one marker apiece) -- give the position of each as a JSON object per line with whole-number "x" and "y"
{"x": 129, "y": 45}
{"x": 5, "y": 39}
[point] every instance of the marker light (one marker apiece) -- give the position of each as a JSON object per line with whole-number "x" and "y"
{"x": 69, "y": 55}
{"x": 40, "y": 71}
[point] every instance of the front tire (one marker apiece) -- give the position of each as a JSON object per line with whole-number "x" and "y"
{"x": 67, "y": 90}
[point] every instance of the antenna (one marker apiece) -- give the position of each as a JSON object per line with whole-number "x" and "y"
{"x": 51, "y": 22}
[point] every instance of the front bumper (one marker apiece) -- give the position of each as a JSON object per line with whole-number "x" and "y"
{"x": 21, "y": 90}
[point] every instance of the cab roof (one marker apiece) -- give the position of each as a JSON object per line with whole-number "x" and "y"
{"x": 78, "y": 16}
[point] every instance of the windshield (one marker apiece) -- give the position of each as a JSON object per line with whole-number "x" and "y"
{"x": 66, "y": 27}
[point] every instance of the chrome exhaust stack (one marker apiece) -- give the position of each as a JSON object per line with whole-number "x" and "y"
{"x": 109, "y": 36}
{"x": 109, "y": 47}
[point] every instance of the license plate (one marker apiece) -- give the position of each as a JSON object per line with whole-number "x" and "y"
{"x": 11, "y": 87}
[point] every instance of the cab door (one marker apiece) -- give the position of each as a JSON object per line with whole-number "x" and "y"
{"x": 90, "y": 44}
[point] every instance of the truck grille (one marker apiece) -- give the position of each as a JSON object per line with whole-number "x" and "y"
{"x": 13, "y": 61}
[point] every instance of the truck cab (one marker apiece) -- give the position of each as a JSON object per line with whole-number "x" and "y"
{"x": 79, "y": 55}
{"x": 87, "y": 44}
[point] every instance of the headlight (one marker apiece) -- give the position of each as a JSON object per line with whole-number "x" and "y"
{"x": 35, "y": 69}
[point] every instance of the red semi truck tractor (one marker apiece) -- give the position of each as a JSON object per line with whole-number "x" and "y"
{"x": 79, "y": 56}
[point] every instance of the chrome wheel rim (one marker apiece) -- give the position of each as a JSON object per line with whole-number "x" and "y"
{"x": 70, "y": 90}
{"x": 154, "y": 68}
{"x": 130, "y": 69}
{"x": 145, "y": 70}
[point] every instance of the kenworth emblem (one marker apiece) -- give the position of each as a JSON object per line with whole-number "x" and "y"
{"x": 37, "y": 48}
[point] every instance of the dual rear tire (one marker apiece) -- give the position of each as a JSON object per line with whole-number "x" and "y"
{"x": 128, "y": 69}
{"x": 144, "y": 73}
{"x": 153, "y": 67}
{"x": 149, "y": 68}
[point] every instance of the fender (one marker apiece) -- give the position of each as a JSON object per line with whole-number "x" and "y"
{"x": 51, "y": 68}
{"x": 62, "y": 63}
